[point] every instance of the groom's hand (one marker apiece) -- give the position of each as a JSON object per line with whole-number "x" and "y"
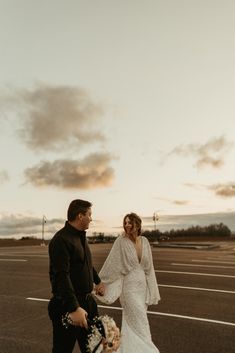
{"x": 79, "y": 317}
{"x": 100, "y": 289}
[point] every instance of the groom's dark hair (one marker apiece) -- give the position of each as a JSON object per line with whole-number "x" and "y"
{"x": 76, "y": 207}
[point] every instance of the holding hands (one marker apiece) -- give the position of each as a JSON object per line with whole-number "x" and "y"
{"x": 79, "y": 316}
{"x": 100, "y": 289}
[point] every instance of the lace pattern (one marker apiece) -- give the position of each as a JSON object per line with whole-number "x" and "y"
{"x": 135, "y": 284}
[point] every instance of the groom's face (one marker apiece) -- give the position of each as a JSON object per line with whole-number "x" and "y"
{"x": 85, "y": 219}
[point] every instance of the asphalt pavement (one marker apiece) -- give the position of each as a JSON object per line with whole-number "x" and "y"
{"x": 196, "y": 313}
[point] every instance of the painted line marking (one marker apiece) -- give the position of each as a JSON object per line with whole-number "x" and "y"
{"x": 198, "y": 288}
{"x": 222, "y": 257}
{"x": 158, "y": 313}
{"x": 192, "y": 318}
{"x": 18, "y": 260}
{"x": 196, "y": 273}
{"x": 217, "y": 262}
{"x": 194, "y": 265}
{"x": 27, "y": 255}
{"x": 38, "y": 299}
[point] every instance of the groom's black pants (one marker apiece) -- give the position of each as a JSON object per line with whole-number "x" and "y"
{"x": 64, "y": 339}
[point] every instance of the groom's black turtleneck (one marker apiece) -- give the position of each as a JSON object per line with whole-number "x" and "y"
{"x": 71, "y": 271}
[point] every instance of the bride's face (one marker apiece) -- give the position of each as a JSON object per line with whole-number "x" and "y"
{"x": 130, "y": 227}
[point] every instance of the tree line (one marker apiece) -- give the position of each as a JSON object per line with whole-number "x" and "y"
{"x": 213, "y": 230}
{"x": 218, "y": 230}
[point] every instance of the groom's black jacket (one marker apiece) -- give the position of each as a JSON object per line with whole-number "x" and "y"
{"x": 71, "y": 272}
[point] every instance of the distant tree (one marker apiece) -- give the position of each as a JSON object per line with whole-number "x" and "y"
{"x": 218, "y": 230}
{"x": 28, "y": 237}
{"x": 212, "y": 230}
{"x": 152, "y": 235}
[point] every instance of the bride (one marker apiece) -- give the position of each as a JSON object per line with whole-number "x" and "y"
{"x": 128, "y": 274}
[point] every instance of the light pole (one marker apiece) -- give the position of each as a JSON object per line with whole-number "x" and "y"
{"x": 155, "y": 219}
{"x": 43, "y": 223}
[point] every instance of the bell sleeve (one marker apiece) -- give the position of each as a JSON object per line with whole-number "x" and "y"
{"x": 152, "y": 294}
{"x": 113, "y": 271}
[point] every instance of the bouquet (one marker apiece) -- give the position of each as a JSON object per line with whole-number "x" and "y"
{"x": 103, "y": 334}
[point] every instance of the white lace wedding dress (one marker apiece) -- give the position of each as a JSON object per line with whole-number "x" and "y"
{"x": 134, "y": 282}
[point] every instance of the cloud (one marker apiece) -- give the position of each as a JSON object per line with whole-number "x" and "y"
{"x": 18, "y": 225}
{"x": 168, "y": 222}
{"x": 91, "y": 172}
{"x": 23, "y": 225}
{"x": 224, "y": 190}
{"x": 174, "y": 202}
{"x": 55, "y": 117}
{"x": 58, "y": 118}
{"x": 210, "y": 161}
{"x": 210, "y": 154}
{"x": 4, "y": 176}
{"x": 180, "y": 202}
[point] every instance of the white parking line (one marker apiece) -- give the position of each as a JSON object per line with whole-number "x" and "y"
{"x": 22, "y": 260}
{"x": 228, "y": 258}
{"x": 23, "y": 254}
{"x": 198, "y": 288}
{"x": 194, "y": 265}
{"x": 158, "y": 313}
{"x": 193, "y": 318}
{"x": 196, "y": 273}
{"x": 38, "y": 299}
{"x": 216, "y": 262}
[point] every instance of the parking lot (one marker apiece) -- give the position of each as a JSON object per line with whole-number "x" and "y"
{"x": 195, "y": 315}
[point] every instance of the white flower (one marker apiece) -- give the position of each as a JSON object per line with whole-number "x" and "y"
{"x": 104, "y": 335}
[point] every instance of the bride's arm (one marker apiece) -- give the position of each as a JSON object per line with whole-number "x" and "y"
{"x": 152, "y": 295}
{"x": 111, "y": 275}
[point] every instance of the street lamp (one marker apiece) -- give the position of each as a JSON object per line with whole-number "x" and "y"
{"x": 155, "y": 219}
{"x": 44, "y": 220}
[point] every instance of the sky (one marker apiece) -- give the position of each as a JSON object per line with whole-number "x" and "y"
{"x": 128, "y": 104}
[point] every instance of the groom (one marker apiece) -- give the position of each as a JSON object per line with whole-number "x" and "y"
{"x": 72, "y": 278}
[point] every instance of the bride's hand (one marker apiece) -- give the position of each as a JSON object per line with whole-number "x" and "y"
{"x": 100, "y": 289}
